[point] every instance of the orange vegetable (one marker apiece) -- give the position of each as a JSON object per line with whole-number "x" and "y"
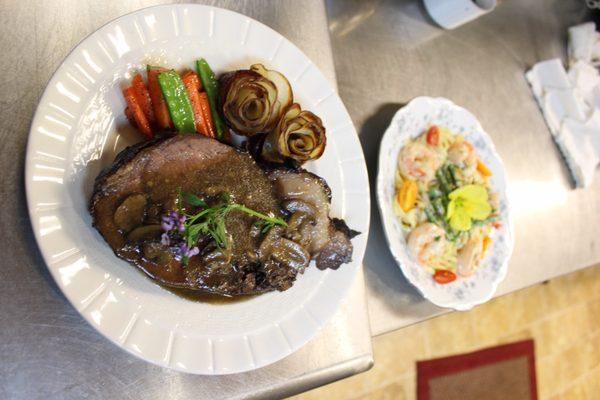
{"x": 483, "y": 169}
{"x": 443, "y": 276}
{"x": 159, "y": 105}
{"x": 407, "y": 195}
{"x": 193, "y": 85}
{"x": 205, "y": 106}
{"x": 137, "y": 112}
{"x": 433, "y": 135}
{"x": 486, "y": 243}
{"x": 143, "y": 97}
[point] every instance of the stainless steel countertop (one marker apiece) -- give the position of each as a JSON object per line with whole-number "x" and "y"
{"x": 46, "y": 349}
{"x": 387, "y": 52}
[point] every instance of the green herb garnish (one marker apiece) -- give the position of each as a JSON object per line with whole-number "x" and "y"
{"x": 210, "y": 220}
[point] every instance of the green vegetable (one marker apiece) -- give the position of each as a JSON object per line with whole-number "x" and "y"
{"x": 210, "y": 221}
{"x": 485, "y": 221}
{"x": 209, "y": 82}
{"x": 442, "y": 181}
{"x": 193, "y": 200}
{"x": 453, "y": 175}
{"x": 438, "y": 206}
{"x": 433, "y": 217}
{"x": 178, "y": 101}
{"x": 434, "y": 192}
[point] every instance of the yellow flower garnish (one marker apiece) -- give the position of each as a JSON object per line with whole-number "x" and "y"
{"x": 467, "y": 203}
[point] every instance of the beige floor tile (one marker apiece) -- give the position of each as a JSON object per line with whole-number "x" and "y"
{"x": 558, "y": 371}
{"x": 573, "y": 288}
{"x": 503, "y": 316}
{"x": 532, "y": 303}
{"x": 393, "y": 391}
{"x": 573, "y": 392}
{"x": 561, "y": 330}
{"x": 395, "y": 353}
{"x": 592, "y": 350}
{"x": 518, "y": 336}
{"x": 403, "y": 389}
{"x": 591, "y": 382}
{"x": 548, "y": 377}
{"x": 442, "y": 341}
{"x": 593, "y": 313}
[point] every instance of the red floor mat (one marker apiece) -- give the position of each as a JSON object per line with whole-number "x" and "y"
{"x": 502, "y": 372}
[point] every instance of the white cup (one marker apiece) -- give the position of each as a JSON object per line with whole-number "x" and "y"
{"x": 452, "y": 13}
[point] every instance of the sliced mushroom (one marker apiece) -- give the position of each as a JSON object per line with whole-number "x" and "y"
{"x": 299, "y": 228}
{"x": 296, "y": 205}
{"x": 286, "y": 252}
{"x": 266, "y": 247}
{"x": 144, "y": 232}
{"x": 290, "y": 254}
{"x": 131, "y": 212}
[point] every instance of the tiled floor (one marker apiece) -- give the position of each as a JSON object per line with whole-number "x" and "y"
{"x": 563, "y": 316}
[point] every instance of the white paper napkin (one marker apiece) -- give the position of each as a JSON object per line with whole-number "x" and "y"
{"x": 570, "y": 102}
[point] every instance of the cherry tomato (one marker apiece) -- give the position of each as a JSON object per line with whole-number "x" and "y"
{"x": 443, "y": 276}
{"x": 433, "y": 135}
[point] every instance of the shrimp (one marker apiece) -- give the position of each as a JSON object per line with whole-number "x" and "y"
{"x": 427, "y": 243}
{"x": 462, "y": 152}
{"x": 469, "y": 257}
{"x": 418, "y": 161}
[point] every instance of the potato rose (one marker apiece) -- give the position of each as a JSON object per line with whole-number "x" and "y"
{"x": 253, "y": 100}
{"x": 299, "y": 135}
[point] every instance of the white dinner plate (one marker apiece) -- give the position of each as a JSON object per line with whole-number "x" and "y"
{"x": 409, "y": 122}
{"x": 79, "y": 127}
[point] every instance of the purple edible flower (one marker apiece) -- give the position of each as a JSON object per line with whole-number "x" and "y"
{"x": 181, "y": 226}
{"x": 167, "y": 223}
{"x": 182, "y": 250}
{"x": 193, "y": 251}
{"x": 173, "y": 226}
{"x": 173, "y": 221}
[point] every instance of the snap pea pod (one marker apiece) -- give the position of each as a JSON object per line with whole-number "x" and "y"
{"x": 434, "y": 193}
{"x": 452, "y": 235}
{"x": 485, "y": 221}
{"x": 210, "y": 85}
{"x": 433, "y": 217}
{"x": 449, "y": 177}
{"x": 438, "y": 206}
{"x": 453, "y": 175}
{"x": 178, "y": 101}
{"x": 443, "y": 182}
